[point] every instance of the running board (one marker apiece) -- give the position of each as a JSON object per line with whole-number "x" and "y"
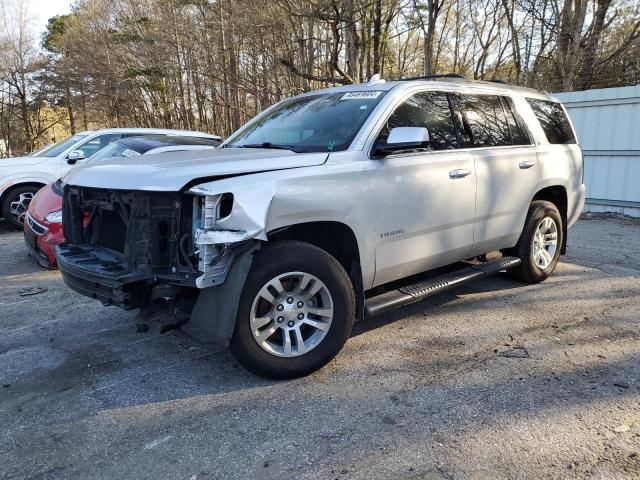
{"x": 417, "y": 291}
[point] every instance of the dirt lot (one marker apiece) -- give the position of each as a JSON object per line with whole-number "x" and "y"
{"x": 496, "y": 380}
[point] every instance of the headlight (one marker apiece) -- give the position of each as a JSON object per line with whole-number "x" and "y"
{"x": 54, "y": 217}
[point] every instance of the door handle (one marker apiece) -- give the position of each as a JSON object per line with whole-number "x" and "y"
{"x": 527, "y": 164}
{"x": 460, "y": 173}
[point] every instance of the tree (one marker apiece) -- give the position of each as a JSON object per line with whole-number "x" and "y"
{"x": 60, "y": 73}
{"x": 428, "y": 27}
{"x": 200, "y": 64}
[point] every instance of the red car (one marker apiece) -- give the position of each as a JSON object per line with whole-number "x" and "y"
{"x": 43, "y": 224}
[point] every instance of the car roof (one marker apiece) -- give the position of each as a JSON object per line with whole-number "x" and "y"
{"x": 461, "y": 85}
{"x": 151, "y": 131}
{"x": 148, "y": 142}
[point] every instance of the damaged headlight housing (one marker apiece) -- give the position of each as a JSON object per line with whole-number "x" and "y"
{"x": 214, "y": 258}
{"x": 209, "y": 210}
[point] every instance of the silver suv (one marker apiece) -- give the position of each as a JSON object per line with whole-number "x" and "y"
{"x": 326, "y": 208}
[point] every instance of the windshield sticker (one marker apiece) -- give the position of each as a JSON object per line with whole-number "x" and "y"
{"x": 130, "y": 153}
{"x": 361, "y": 95}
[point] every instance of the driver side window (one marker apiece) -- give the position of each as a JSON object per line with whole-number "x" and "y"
{"x": 429, "y": 110}
{"x": 98, "y": 143}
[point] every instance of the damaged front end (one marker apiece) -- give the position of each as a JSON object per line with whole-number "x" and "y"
{"x": 216, "y": 247}
{"x": 133, "y": 248}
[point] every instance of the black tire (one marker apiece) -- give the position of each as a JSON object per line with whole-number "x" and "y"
{"x": 12, "y": 196}
{"x": 529, "y": 271}
{"x": 277, "y": 259}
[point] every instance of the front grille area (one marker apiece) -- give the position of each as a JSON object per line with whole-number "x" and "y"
{"x": 113, "y": 230}
{"x": 143, "y": 231}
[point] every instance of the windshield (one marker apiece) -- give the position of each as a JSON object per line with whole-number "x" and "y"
{"x": 116, "y": 149}
{"x": 40, "y": 151}
{"x": 60, "y": 147}
{"x": 320, "y": 123}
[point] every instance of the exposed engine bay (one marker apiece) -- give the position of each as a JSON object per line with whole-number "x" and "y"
{"x": 129, "y": 248}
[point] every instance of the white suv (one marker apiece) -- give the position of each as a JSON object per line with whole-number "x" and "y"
{"x": 323, "y": 209}
{"x": 22, "y": 177}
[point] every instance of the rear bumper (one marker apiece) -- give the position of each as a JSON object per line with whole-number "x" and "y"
{"x": 576, "y": 205}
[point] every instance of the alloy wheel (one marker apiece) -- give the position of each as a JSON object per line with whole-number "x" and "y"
{"x": 291, "y": 314}
{"x": 545, "y": 243}
{"x": 18, "y": 208}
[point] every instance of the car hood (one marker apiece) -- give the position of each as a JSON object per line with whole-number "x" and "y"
{"x": 19, "y": 161}
{"x": 44, "y": 202}
{"x": 172, "y": 171}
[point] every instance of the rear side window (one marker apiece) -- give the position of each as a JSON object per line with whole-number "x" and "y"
{"x": 485, "y": 121}
{"x": 519, "y": 133}
{"x": 553, "y": 121}
{"x": 429, "y": 110}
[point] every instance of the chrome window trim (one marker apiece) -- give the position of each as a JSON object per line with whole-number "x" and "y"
{"x": 468, "y": 149}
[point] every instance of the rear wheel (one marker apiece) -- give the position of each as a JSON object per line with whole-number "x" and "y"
{"x": 16, "y": 203}
{"x": 295, "y": 313}
{"x": 539, "y": 244}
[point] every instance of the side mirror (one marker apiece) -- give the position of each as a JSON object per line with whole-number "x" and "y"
{"x": 404, "y": 138}
{"x": 75, "y": 156}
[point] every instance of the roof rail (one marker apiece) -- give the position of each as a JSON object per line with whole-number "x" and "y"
{"x": 496, "y": 80}
{"x": 434, "y": 77}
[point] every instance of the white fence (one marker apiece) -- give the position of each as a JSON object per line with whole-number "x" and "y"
{"x": 608, "y": 125}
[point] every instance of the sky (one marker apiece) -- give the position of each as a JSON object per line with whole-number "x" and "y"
{"x": 42, "y": 10}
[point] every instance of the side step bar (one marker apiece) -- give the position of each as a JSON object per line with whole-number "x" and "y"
{"x": 417, "y": 291}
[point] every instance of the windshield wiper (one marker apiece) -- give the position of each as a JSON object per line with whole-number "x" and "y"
{"x": 269, "y": 145}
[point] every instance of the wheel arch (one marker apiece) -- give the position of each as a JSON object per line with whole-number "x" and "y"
{"x": 337, "y": 239}
{"x": 12, "y": 187}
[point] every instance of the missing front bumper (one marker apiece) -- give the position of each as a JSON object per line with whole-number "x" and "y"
{"x": 98, "y": 274}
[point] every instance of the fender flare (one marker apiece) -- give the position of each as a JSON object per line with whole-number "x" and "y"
{"x": 213, "y": 318}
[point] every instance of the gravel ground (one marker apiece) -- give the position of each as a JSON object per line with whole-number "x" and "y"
{"x": 497, "y": 379}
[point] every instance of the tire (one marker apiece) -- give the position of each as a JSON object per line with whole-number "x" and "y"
{"x": 535, "y": 269}
{"x": 15, "y": 204}
{"x": 261, "y": 347}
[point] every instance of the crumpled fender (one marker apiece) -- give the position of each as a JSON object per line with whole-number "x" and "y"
{"x": 268, "y": 201}
{"x": 247, "y": 219}
{"x": 219, "y": 241}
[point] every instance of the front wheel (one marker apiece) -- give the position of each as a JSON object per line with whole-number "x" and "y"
{"x": 539, "y": 244}
{"x": 296, "y": 311}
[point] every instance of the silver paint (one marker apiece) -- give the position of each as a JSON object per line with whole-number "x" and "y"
{"x": 444, "y": 215}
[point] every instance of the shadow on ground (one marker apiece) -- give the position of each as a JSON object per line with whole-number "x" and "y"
{"x": 528, "y": 381}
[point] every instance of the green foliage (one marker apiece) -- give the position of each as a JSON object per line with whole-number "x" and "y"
{"x": 53, "y": 36}
{"x": 150, "y": 78}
